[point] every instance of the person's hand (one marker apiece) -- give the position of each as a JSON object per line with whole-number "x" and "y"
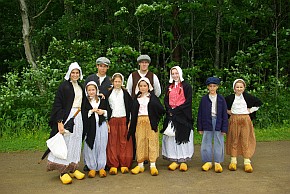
{"x": 60, "y": 127}
{"x": 100, "y": 111}
{"x": 102, "y": 96}
{"x": 229, "y": 112}
{"x": 94, "y": 110}
{"x": 200, "y": 132}
{"x": 109, "y": 129}
{"x": 223, "y": 133}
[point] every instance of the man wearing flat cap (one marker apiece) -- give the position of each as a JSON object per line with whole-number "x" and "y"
{"x": 143, "y": 61}
{"x": 103, "y": 81}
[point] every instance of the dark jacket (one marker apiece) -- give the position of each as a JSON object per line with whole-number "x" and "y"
{"x": 251, "y": 101}
{"x": 62, "y": 105}
{"x": 181, "y": 115}
{"x": 128, "y": 104}
{"x": 106, "y": 84}
{"x": 155, "y": 112}
{"x": 90, "y": 122}
{"x": 204, "y": 119}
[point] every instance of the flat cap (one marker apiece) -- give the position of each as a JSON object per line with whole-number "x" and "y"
{"x": 143, "y": 58}
{"x": 103, "y": 60}
{"x": 212, "y": 80}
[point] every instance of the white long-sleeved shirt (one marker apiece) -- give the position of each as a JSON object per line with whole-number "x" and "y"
{"x": 117, "y": 103}
{"x": 240, "y": 106}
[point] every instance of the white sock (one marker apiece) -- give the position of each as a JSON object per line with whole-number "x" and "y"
{"x": 216, "y": 163}
{"x": 234, "y": 160}
{"x": 247, "y": 161}
{"x": 152, "y": 164}
{"x": 141, "y": 165}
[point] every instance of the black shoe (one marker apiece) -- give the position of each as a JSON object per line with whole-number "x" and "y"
{"x": 86, "y": 168}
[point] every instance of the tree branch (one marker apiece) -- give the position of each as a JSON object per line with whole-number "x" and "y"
{"x": 42, "y": 10}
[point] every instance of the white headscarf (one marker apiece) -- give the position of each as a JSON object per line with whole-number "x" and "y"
{"x": 147, "y": 81}
{"x": 179, "y": 71}
{"x": 120, "y": 75}
{"x": 91, "y": 83}
{"x": 73, "y": 66}
{"x": 237, "y": 81}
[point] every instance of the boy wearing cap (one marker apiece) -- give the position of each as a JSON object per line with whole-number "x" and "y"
{"x": 143, "y": 61}
{"x": 103, "y": 81}
{"x": 212, "y": 123}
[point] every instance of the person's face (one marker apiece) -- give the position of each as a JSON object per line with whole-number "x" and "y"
{"x": 91, "y": 90}
{"x": 102, "y": 69}
{"x": 143, "y": 87}
{"x": 144, "y": 65}
{"x": 212, "y": 88}
{"x": 239, "y": 88}
{"x": 117, "y": 83}
{"x": 75, "y": 74}
{"x": 175, "y": 75}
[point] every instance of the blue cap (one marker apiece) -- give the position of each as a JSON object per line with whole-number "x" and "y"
{"x": 212, "y": 80}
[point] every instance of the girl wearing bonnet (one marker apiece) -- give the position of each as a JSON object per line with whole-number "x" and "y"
{"x": 68, "y": 99}
{"x": 178, "y": 148}
{"x": 119, "y": 150}
{"x": 241, "y": 138}
{"x": 96, "y": 140}
{"x": 145, "y": 116}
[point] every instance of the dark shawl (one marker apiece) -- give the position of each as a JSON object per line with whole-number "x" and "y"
{"x": 90, "y": 123}
{"x": 128, "y": 104}
{"x": 62, "y": 105}
{"x": 155, "y": 112}
{"x": 181, "y": 115}
{"x": 251, "y": 101}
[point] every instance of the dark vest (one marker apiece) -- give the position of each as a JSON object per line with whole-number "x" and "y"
{"x": 136, "y": 77}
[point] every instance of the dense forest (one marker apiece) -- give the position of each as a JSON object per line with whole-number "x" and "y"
{"x": 229, "y": 39}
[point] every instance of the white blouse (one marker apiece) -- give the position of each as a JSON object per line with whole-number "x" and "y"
{"x": 117, "y": 103}
{"x": 143, "y": 101}
{"x": 78, "y": 95}
{"x": 213, "y": 100}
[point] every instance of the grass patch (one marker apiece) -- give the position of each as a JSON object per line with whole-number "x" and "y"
{"x": 37, "y": 141}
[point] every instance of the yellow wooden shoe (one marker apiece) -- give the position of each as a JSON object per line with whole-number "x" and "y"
{"x": 173, "y": 166}
{"x": 102, "y": 173}
{"x": 92, "y": 174}
{"x": 66, "y": 179}
{"x": 77, "y": 174}
{"x": 153, "y": 171}
{"x": 137, "y": 170}
{"x": 233, "y": 166}
{"x": 218, "y": 168}
{"x": 183, "y": 167}
{"x": 124, "y": 170}
{"x": 248, "y": 168}
{"x": 207, "y": 166}
{"x": 113, "y": 171}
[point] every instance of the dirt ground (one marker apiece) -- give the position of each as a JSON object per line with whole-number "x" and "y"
{"x": 20, "y": 173}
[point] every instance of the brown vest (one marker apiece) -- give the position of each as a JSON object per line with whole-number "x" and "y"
{"x": 136, "y": 77}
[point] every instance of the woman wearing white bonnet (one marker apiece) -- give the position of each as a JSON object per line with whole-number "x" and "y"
{"x": 178, "y": 148}
{"x": 241, "y": 138}
{"x": 68, "y": 100}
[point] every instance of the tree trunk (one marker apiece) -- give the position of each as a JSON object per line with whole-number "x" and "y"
{"x": 217, "y": 36}
{"x": 176, "y": 36}
{"x": 26, "y": 33}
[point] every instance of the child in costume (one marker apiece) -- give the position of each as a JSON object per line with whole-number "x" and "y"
{"x": 145, "y": 115}
{"x": 179, "y": 147}
{"x": 241, "y": 138}
{"x": 212, "y": 123}
{"x": 96, "y": 131}
{"x": 68, "y": 99}
{"x": 119, "y": 150}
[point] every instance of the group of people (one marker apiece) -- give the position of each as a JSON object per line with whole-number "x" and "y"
{"x": 119, "y": 125}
